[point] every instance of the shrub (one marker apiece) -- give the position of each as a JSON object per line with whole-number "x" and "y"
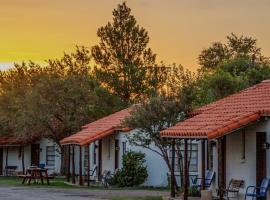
{"x": 134, "y": 171}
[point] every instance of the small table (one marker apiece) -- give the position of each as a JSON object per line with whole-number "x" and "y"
{"x": 35, "y": 173}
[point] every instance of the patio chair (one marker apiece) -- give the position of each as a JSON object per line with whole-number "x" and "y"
{"x": 258, "y": 192}
{"x": 197, "y": 182}
{"x": 92, "y": 177}
{"x": 232, "y": 191}
{"x": 105, "y": 177}
{"x": 10, "y": 170}
{"x": 41, "y": 165}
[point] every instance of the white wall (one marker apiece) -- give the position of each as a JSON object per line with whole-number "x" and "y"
{"x": 15, "y": 160}
{"x": 156, "y": 166}
{"x": 238, "y": 168}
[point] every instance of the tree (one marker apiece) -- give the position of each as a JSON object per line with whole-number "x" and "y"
{"x": 209, "y": 58}
{"x": 133, "y": 172}
{"x": 126, "y": 65}
{"x": 53, "y": 101}
{"x": 151, "y": 117}
{"x": 219, "y": 84}
{"x": 181, "y": 84}
{"x": 235, "y": 47}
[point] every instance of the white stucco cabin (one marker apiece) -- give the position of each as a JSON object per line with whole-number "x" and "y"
{"x": 15, "y": 156}
{"x": 237, "y": 129}
{"x": 107, "y": 142}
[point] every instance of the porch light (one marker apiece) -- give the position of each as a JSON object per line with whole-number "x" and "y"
{"x": 266, "y": 145}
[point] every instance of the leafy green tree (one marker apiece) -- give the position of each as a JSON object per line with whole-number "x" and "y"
{"x": 181, "y": 84}
{"x": 209, "y": 58}
{"x": 219, "y": 84}
{"x": 149, "y": 118}
{"x": 133, "y": 172}
{"x": 53, "y": 101}
{"x": 126, "y": 64}
{"x": 235, "y": 47}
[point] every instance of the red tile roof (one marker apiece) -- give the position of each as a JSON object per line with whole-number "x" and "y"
{"x": 223, "y": 116}
{"x": 10, "y": 141}
{"x": 98, "y": 129}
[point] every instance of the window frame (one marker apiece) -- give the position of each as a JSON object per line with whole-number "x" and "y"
{"x": 53, "y": 154}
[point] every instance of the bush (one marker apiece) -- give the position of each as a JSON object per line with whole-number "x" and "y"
{"x": 133, "y": 173}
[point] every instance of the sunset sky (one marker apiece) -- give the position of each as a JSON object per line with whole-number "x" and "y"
{"x": 179, "y": 29}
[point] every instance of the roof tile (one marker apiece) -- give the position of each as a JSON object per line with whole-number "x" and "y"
{"x": 98, "y": 129}
{"x": 225, "y": 115}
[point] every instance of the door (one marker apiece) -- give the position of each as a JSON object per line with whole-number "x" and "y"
{"x": 35, "y": 151}
{"x": 116, "y": 156}
{"x": 1, "y": 161}
{"x": 260, "y": 156}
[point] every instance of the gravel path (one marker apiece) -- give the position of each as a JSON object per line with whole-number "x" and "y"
{"x": 29, "y": 193}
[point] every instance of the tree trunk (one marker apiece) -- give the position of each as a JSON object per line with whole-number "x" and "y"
{"x": 166, "y": 158}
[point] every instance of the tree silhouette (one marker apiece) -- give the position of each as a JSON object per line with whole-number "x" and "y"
{"x": 127, "y": 65}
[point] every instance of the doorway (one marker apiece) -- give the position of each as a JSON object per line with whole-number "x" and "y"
{"x": 116, "y": 156}
{"x": 260, "y": 157}
{"x": 35, "y": 151}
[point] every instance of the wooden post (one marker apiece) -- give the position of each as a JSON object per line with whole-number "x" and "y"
{"x": 7, "y": 156}
{"x": 172, "y": 170}
{"x": 73, "y": 164}
{"x": 203, "y": 164}
{"x": 68, "y": 164}
{"x": 221, "y": 165}
{"x": 208, "y": 149}
{"x": 80, "y": 166}
{"x": 88, "y": 165}
{"x": 99, "y": 159}
{"x": 186, "y": 170}
{"x": 23, "y": 166}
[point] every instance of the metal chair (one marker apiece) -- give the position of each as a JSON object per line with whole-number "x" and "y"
{"x": 257, "y": 192}
{"x": 207, "y": 180}
{"x": 10, "y": 170}
{"x": 233, "y": 189}
{"x": 92, "y": 177}
{"x": 105, "y": 177}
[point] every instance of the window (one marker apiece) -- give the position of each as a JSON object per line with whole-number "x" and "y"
{"x": 85, "y": 157}
{"x": 193, "y": 149}
{"x": 109, "y": 149}
{"x": 50, "y": 155}
{"x": 124, "y": 147}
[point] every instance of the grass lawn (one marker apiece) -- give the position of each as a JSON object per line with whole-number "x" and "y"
{"x": 14, "y": 181}
{"x": 138, "y": 198}
{"x": 60, "y": 183}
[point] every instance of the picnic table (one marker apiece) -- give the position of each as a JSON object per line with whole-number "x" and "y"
{"x": 35, "y": 173}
